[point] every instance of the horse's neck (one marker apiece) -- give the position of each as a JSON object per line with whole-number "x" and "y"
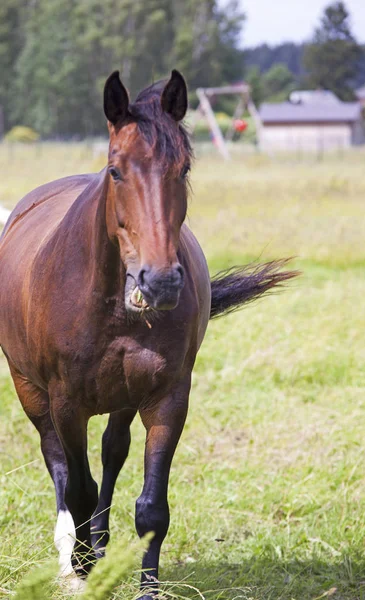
{"x": 84, "y": 236}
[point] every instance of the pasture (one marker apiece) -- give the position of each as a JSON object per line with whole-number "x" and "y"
{"x": 267, "y": 491}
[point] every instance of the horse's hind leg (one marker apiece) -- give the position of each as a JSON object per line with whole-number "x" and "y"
{"x": 115, "y": 447}
{"x": 81, "y": 492}
{"x": 35, "y": 402}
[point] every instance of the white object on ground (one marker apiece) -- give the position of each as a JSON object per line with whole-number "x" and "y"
{"x": 4, "y": 214}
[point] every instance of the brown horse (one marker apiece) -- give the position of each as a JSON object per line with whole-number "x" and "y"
{"x": 105, "y": 297}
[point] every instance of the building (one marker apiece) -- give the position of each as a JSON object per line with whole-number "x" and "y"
{"x": 314, "y": 97}
{"x": 311, "y": 120}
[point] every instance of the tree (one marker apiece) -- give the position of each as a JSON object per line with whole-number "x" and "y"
{"x": 254, "y": 79}
{"x": 11, "y": 40}
{"x": 331, "y": 60}
{"x": 55, "y": 56}
{"x": 277, "y": 83}
{"x": 265, "y": 56}
{"x": 206, "y": 46}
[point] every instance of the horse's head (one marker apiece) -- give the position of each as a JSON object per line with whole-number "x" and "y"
{"x": 148, "y": 164}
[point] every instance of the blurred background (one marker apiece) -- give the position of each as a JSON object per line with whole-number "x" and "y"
{"x": 55, "y": 56}
{"x": 268, "y": 490}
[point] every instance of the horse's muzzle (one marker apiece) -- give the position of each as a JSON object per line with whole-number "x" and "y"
{"x": 161, "y": 287}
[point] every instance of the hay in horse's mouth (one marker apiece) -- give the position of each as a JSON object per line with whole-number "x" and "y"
{"x": 138, "y": 300}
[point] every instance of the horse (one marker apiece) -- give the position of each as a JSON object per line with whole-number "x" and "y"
{"x": 105, "y": 298}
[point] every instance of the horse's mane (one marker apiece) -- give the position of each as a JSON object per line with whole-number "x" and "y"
{"x": 171, "y": 140}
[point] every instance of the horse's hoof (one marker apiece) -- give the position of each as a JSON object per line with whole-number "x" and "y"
{"x": 99, "y": 551}
{"x": 83, "y": 563}
{"x": 150, "y": 595}
{"x": 73, "y": 584}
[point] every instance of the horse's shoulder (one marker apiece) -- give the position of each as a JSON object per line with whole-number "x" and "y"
{"x": 193, "y": 258}
{"x": 192, "y": 251}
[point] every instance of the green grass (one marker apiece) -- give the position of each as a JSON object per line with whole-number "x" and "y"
{"x": 267, "y": 488}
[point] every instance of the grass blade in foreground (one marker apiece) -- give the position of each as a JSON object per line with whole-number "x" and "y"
{"x": 38, "y": 584}
{"x": 110, "y": 571}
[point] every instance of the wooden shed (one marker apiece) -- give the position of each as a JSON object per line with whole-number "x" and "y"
{"x": 311, "y": 121}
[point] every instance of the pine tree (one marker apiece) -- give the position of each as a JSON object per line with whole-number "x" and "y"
{"x": 332, "y": 58}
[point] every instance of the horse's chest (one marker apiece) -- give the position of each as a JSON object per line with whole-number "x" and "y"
{"x": 130, "y": 374}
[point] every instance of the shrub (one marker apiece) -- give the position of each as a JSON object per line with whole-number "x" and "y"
{"x": 21, "y": 133}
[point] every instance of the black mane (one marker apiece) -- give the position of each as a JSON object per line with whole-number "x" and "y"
{"x": 170, "y": 139}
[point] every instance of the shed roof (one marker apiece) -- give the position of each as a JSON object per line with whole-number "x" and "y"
{"x": 314, "y": 97}
{"x": 287, "y": 112}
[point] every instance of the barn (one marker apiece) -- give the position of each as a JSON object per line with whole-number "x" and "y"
{"x": 311, "y": 120}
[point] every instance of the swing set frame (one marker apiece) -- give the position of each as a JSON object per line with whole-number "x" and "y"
{"x": 205, "y": 111}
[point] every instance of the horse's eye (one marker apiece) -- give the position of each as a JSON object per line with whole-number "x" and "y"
{"x": 185, "y": 170}
{"x": 115, "y": 173}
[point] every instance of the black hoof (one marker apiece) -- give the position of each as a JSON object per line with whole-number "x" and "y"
{"x": 99, "y": 542}
{"x": 82, "y": 571}
{"x": 83, "y": 563}
{"x": 151, "y": 593}
{"x": 99, "y": 553}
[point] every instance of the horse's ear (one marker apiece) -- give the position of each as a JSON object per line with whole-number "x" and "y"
{"x": 116, "y": 100}
{"x": 174, "y": 99}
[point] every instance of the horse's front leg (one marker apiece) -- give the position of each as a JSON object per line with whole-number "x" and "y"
{"x": 81, "y": 493}
{"x": 164, "y": 423}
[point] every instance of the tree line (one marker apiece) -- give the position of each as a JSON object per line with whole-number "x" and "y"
{"x": 55, "y": 56}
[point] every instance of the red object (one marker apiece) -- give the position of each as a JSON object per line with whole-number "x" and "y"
{"x": 240, "y": 125}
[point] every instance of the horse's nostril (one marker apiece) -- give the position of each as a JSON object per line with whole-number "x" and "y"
{"x": 141, "y": 277}
{"x": 180, "y": 270}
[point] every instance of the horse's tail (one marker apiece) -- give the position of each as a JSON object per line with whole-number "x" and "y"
{"x": 237, "y": 286}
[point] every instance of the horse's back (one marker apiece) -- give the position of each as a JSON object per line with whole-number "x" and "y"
{"x": 54, "y": 198}
{"x": 30, "y": 225}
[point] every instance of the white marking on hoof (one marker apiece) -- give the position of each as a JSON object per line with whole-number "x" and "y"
{"x": 64, "y": 539}
{"x": 74, "y": 584}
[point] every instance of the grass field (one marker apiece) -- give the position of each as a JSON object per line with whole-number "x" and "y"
{"x": 267, "y": 488}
